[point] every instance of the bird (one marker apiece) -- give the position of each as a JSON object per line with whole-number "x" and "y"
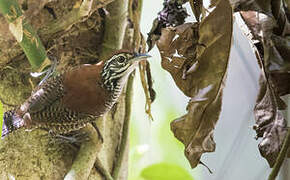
{"x": 70, "y": 100}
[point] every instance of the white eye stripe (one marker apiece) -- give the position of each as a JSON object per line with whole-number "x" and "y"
{"x": 116, "y": 59}
{"x": 113, "y": 71}
{"x": 120, "y": 69}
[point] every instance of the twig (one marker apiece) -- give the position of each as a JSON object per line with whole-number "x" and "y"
{"x": 281, "y": 157}
{"x": 142, "y": 69}
{"x": 143, "y": 65}
{"x": 115, "y": 25}
{"x": 125, "y": 130}
{"x": 150, "y": 83}
{"x": 132, "y": 42}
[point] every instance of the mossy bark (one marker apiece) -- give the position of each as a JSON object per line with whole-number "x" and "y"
{"x": 32, "y": 155}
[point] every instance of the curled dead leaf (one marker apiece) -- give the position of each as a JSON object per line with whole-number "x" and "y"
{"x": 196, "y": 55}
{"x": 270, "y": 123}
{"x": 269, "y": 25}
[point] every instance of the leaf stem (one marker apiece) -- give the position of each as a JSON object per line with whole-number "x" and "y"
{"x": 281, "y": 157}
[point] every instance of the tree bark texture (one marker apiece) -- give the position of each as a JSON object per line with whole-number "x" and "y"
{"x": 87, "y": 39}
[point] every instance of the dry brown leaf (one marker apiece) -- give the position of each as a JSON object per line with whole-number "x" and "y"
{"x": 272, "y": 31}
{"x": 263, "y": 6}
{"x": 279, "y": 54}
{"x": 270, "y": 123}
{"x": 198, "y": 64}
{"x": 281, "y": 83}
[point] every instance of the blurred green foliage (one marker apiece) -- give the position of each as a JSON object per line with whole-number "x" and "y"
{"x": 152, "y": 143}
{"x": 165, "y": 171}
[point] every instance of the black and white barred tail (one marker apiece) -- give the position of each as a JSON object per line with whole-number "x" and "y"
{"x": 11, "y": 122}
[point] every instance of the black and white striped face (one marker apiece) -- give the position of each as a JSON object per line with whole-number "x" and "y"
{"x": 117, "y": 69}
{"x": 118, "y": 63}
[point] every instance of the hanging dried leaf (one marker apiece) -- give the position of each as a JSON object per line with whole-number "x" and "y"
{"x": 198, "y": 64}
{"x": 279, "y": 54}
{"x": 270, "y": 123}
{"x": 263, "y": 6}
{"x": 270, "y": 28}
{"x": 281, "y": 82}
{"x": 269, "y": 25}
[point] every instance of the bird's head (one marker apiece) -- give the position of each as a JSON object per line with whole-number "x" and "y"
{"x": 117, "y": 69}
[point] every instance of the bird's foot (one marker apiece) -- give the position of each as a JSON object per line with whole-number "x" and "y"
{"x": 48, "y": 71}
{"x": 74, "y": 138}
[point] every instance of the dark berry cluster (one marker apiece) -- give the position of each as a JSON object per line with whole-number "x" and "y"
{"x": 172, "y": 14}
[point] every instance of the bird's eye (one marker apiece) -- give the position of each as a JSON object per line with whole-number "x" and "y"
{"x": 121, "y": 59}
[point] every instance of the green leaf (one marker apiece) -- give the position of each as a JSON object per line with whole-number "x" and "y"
{"x": 165, "y": 171}
{"x": 1, "y": 119}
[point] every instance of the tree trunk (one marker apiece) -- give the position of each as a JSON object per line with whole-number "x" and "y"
{"x": 73, "y": 39}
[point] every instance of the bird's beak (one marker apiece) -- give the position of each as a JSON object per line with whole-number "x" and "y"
{"x": 137, "y": 57}
{"x": 133, "y": 63}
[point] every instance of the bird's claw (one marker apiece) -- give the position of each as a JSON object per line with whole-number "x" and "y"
{"x": 74, "y": 138}
{"x": 48, "y": 72}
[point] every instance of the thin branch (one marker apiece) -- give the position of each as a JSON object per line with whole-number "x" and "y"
{"x": 131, "y": 42}
{"x": 125, "y": 130}
{"x": 115, "y": 25}
{"x": 281, "y": 157}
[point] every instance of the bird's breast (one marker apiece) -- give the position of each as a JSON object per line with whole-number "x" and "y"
{"x": 84, "y": 92}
